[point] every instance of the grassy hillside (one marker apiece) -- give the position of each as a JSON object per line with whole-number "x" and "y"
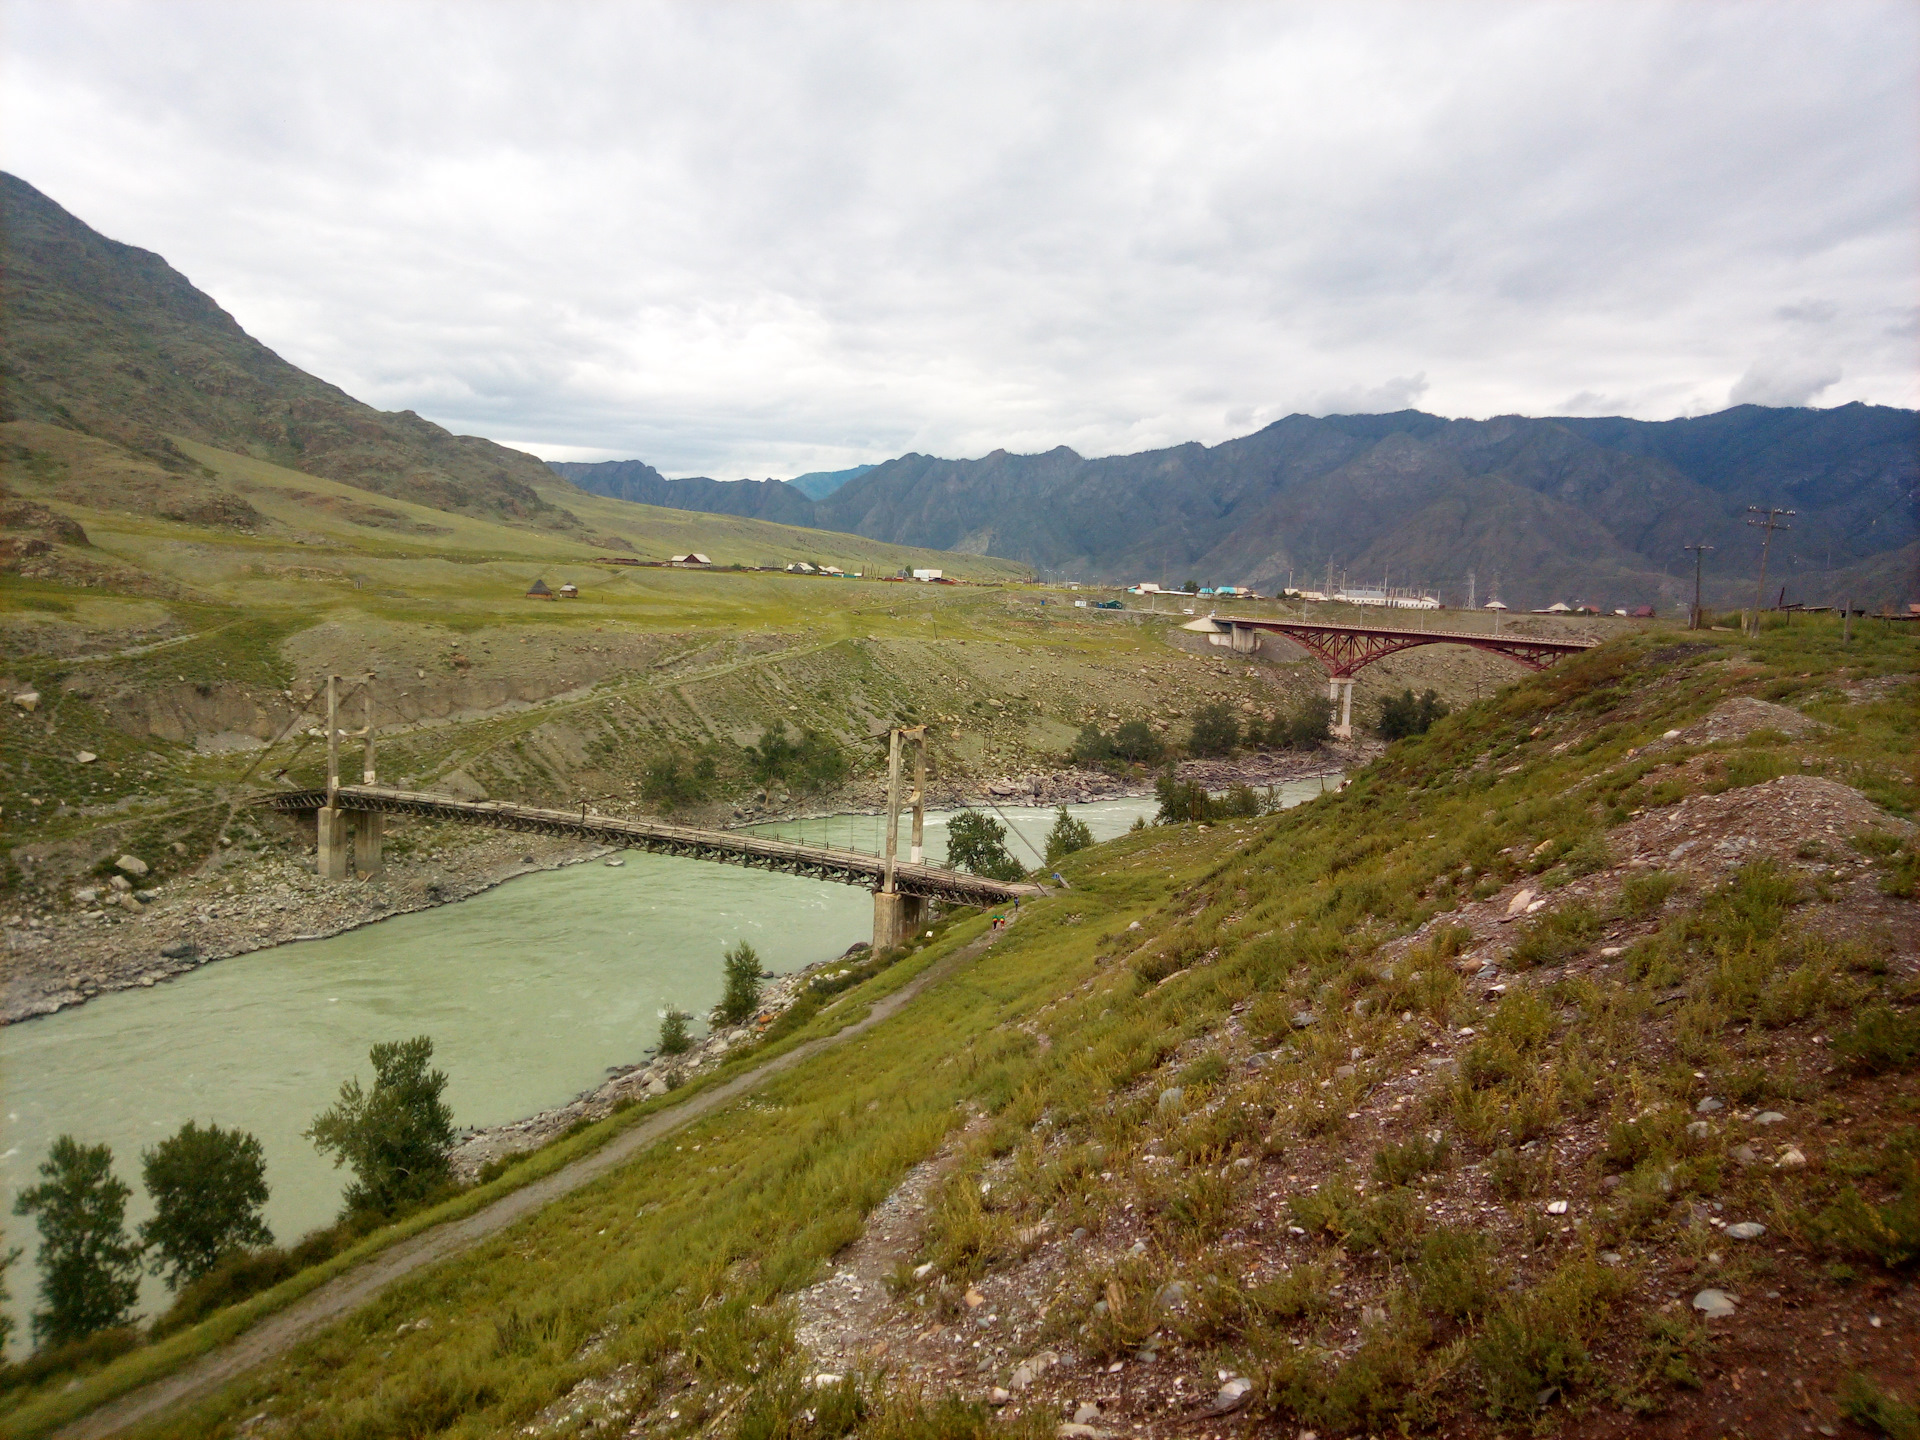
{"x": 171, "y": 635}
{"x": 1294, "y": 1101}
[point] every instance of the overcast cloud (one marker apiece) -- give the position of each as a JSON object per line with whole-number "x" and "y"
{"x": 758, "y": 239}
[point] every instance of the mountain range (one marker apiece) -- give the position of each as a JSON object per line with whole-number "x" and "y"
{"x": 1563, "y": 508}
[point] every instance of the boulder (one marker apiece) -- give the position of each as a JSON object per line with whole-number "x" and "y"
{"x": 131, "y": 864}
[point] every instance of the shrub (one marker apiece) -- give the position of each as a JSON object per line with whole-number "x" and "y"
{"x": 1644, "y": 895}
{"x": 741, "y": 996}
{"x": 208, "y": 1187}
{"x": 674, "y": 1036}
{"x": 87, "y": 1354}
{"x": 978, "y": 843}
{"x": 1888, "y": 1234}
{"x": 89, "y": 1269}
{"x": 1402, "y": 715}
{"x": 7, "y": 1257}
{"x": 813, "y": 762}
{"x": 1389, "y": 1223}
{"x": 1067, "y": 836}
{"x": 1556, "y": 935}
{"x": 1457, "y": 1277}
{"x": 1215, "y": 731}
{"x": 1404, "y": 1163}
{"x": 1867, "y": 1404}
{"x": 670, "y": 782}
{"x": 1533, "y": 1349}
{"x": 1881, "y": 1039}
{"x": 237, "y": 1276}
{"x": 398, "y": 1137}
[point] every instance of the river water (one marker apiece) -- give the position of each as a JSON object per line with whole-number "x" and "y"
{"x": 530, "y": 991}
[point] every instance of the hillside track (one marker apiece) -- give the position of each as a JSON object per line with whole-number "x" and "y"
{"x": 279, "y": 1333}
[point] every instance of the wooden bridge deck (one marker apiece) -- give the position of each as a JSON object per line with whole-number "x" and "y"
{"x": 758, "y": 852}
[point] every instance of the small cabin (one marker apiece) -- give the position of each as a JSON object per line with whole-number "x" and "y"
{"x": 569, "y": 592}
{"x": 539, "y": 591}
{"x": 693, "y": 561}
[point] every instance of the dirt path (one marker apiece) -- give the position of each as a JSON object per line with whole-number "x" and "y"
{"x": 278, "y": 1333}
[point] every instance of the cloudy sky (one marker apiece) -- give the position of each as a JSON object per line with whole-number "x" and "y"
{"x": 759, "y": 238}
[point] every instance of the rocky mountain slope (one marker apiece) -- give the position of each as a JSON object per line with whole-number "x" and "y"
{"x": 111, "y": 341}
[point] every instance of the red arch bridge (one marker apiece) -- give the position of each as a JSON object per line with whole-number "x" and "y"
{"x": 1345, "y": 649}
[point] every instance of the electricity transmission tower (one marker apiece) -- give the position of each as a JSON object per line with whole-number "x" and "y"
{"x": 1768, "y": 520}
{"x": 1699, "y": 550}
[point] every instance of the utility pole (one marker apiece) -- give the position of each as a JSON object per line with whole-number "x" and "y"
{"x": 1472, "y": 593}
{"x": 1699, "y": 549}
{"x": 1769, "y": 520}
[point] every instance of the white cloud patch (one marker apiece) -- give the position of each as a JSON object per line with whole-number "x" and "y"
{"x": 1403, "y": 392}
{"x": 750, "y": 239}
{"x": 1786, "y": 380}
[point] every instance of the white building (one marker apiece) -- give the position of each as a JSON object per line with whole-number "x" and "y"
{"x": 1391, "y": 599}
{"x": 926, "y": 574}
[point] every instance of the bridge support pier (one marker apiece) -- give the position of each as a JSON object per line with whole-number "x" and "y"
{"x": 330, "y": 843}
{"x": 369, "y": 843}
{"x": 896, "y": 918}
{"x": 1245, "y": 641}
{"x": 1340, "y": 692}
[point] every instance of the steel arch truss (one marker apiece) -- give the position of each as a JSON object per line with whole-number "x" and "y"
{"x": 1344, "y": 649}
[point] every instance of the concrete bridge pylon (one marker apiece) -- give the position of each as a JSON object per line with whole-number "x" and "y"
{"x": 353, "y": 842}
{"x": 897, "y": 917}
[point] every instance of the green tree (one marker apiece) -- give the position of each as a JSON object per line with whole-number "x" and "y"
{"x": 89, "y": 1268}
{"x": 674, "y": 1036}
{"x": 1092, "y": 746}
{"x": 741, "y": 997}
{"x": 1310, "y": 725}
{"x": 978, "y": 843}
{"x": 1135, "y": 741}
{"x": 398, "y": 1137}
{"x": 1402, "y": 715}
{"x": 1067, "y": 836}
{"x": 1181, "y": 800}
{"x": 1215, "y": 731}
{"x": 207, "y": 1188}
